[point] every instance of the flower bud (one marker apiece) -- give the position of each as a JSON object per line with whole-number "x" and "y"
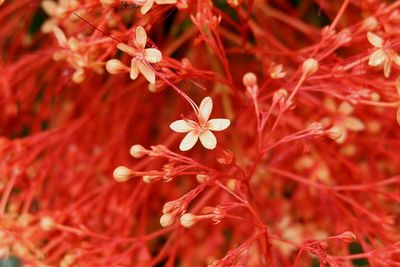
{"x": 188, "y": 220}
{"x": 310, "y": 66}
{"x": 47, "y": 223}
{"x": 114, "y": 66}
{"x": 166, "y": 220}
{"x": 280, "y": 96}
{"x": 369, "y": 24}
{"x": 150, "y": 178}
{"x": 201, "y": 178}
{"x": 249, "y": 79}
{"x": 122, "y": 173}
{"x": 334, "y": 132}
{"x": 138, "y": 151}
{"x": 348, "y": 236}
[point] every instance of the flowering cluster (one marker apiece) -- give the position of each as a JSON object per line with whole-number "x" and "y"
{"x": 294, "y": 107}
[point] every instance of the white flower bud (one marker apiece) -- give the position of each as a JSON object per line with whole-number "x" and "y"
{"x": 310, "y": 66}
{"x": 122, "y": 173}
{"x": 166, "y": 220}
{"x": 138, "y": 151}
{"x": 47, "y": 223}
{"x": 188, "y": 220}
{"x": 334, "y": 132}
{"x": 114, "y": 66}
{"x": 201, "y": 178}
{"x": 249, "y": 79}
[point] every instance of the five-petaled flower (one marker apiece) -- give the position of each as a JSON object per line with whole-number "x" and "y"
{"x": 141, "y": 57}
{"x": 200, "y": 129}
{"x": 383, "y": 55}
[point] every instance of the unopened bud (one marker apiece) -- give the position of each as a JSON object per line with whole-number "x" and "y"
{"x": 334, "y": 132}
{"x": 348, "y": 236}
{"x": 114, "y": 66}
{"x": 166, "y": 220}
{"x": 122, "y": 173}
{"x": 188, "y": 220}
{"x": 249, "y": 79}
{"x": 201, "y": 178}
{"x": 47, "y": 223}
{"x": 369, "y": 24}
{"x": 310, "y": 66}
{"x": 138, "y": 151}
{"x": 150, "y": 178}
{"x": 280, "y": 96}
{"x": 78, "y": 76}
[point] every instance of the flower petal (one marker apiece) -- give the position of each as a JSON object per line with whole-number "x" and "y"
{"x": 387, "y": 67}
{"x": 188, "y": 141}
{"x": 60, "y": 36}
{"x": 375, "y": 40}
{"x": 141, "y": 36}
{"x": 396, "y": 59}
{"x": 147, "y": 6}
{"x": 345, "y": 108}
{"x": 134, "y": 69}
{"x": 126, "y": 48}
{"x": 342, "y": 137}
{"x": 218, "y": 124}
{"x": 165, "y": 2}
{"x": 208, "y": 140}
{"x": 183, "y": 126}
{"x": 205, "y": 109}
{"x": 354, "y": 124}
{"x": 49, "y": 7}
{"x": 152, "y": 55}
{"x": 147, "y": 72}
{"x": 377, "y": 58}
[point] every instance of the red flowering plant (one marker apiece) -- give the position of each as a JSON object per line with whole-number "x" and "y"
{"x": 199, "y": 133}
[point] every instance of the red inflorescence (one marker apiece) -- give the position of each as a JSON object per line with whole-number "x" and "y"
{"x": 296, "y": 106}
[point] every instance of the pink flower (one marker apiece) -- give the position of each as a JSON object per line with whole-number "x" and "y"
{"x": 200, "y": 129}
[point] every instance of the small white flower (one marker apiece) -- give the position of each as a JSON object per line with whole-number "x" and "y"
{"x": 200, "y": 129}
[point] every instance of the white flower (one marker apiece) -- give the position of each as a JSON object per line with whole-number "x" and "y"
{"x": 383, "y": 55}
{"x": 200, "y": 129}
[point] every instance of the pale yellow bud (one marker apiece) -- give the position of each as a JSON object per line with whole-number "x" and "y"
{"x": 114, "y": 66}
{"x": 348, "y": 236}
{"x": 249, "y": 79}
{"x": 166, "y": 220}
{"x": 138, "y": 151}
{"x": 47, "y": 223}
{"x": 122, "y": 173}
{"x": 310, "y": 66}
{"x": 201, "y": 178}
{"x": 280, "y": 95}
{"x": 150, "y": 178}
{"x": 188, "y": 220}
{"x": 334, "y": 132}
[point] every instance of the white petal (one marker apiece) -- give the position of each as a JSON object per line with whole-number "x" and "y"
{"x": 60, "y": 36}
{"x": 152, "y": 55}
{"x": 165, "y": 2}
{"x": 377, "y": 58}
{"x": 134, "y": 69}
{"x": 396, "y": 59}
{"x": 218, "y": 124}
{"x": 375, "y": 40}
{"x": 343, "y": 137}
{"x": 354, "y": 124}
{"x": 205, "y": 109}
{"x": 49, "y": 7}
{"x": 147, "y": 6}
{"x": 147, "y": 72}
{"x": 345, "y": 108}
{"x": 126, "y": 48}
{"x": 183, "y": 126}
{"x": 141, "y": 36}
{"x": 208, "y": 140}
{"x": 189, "y": 141}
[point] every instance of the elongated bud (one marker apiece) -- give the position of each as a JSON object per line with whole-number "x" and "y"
{"x": 310, "y": 66}
{"x": 114, "y": 66}
{"x": 122, "y": 173}
{"x": 188, "y": 220}
{"x": 150, "y": 178}
{"x": 348, "y": 236}
{"x": 138, "y": 151}
{"x": 334, "y": 132}
{"x": 166, "y": 220}
{"x": 47, "y": 223}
